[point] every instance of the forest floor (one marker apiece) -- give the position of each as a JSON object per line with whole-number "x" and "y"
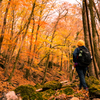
{"x": 36, "y": 76}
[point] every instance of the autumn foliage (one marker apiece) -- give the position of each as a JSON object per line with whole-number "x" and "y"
{"x": 38, "y": 37}
{"x": 37, "y": 32}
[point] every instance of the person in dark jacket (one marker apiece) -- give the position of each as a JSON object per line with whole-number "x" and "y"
{"x": 80, "y": 70}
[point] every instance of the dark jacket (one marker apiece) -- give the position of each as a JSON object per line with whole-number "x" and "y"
{"x": 75, "y": 53}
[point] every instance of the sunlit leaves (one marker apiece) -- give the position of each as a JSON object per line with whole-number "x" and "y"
{"x": 41, "y": 28}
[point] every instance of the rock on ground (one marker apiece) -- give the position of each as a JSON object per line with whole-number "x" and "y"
{"x": 10, "y": 96}
{"x": 74, "y": 98}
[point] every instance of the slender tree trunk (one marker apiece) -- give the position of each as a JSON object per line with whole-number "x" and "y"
{"x": 36, "y": 38}
{"x": 29, "y": 58}
{"x": 98, "y": 17}
{"x": 46, "y": 67}
{"x": 9, "y": 55}
{"x": 61, "y": 61}
{"x": 97, "y": 11}
{"x": 4, "y": 24}
{"x": 9, "y": 79}
{"x": 0, "y": 1}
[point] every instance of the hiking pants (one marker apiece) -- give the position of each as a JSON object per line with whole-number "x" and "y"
{"x": 81, "y": 73}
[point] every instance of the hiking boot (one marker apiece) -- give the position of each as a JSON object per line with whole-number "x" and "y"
{"x": 86, "y": 89}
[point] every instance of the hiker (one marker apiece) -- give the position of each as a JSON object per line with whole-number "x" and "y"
{"x": 79, "y": 68}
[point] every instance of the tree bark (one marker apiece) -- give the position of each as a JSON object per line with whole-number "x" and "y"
{"x": 61, "y": 61}
{"x": 87, "y": 34}
{"x": 93, "y": 25}
{"x": 29, "y": 58}
{"x": 4, "y": 24}
{"x": 0, "y": 1}
{"x": 46, "y": 67}
{"x": 9, "y": 55}
{"x": 99, "y": 6}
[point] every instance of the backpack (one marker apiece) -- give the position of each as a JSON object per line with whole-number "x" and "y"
{"x": 84, "y": 57}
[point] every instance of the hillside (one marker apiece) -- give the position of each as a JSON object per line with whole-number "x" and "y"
{"x": 36, "y": 76}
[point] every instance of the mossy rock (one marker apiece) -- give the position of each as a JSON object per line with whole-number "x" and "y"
{"x": 92, "y": 80}
{"x": 68, "y": 91}
{"x": 94, "y": 86}
{"x": 26, "y": 97}
{"x": 38, "y": 86}
{"x": 37, "y": 96}
{"x": 60, "y": 91}
{"x": 52, "y": 85}
{"x": 48, "y": 93}
{"x": 25, "y": 91}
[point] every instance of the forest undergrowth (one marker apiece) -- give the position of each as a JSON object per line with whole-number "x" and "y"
{"x": 35, "y": 77}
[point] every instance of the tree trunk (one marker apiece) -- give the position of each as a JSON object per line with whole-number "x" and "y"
{"x": 47, "y": 62}
{"x": 9, "y": 55}
{"x": 4, "y": 24}
{"x": 99, "y": 7}
{"x": 29, "y": 58}
{"x": 93, "y": 25}
{"x": 61, "y": 61}
{"x": 36, "y": 38}
{"x": 29, "y": 19}
{"x": 10, "y": 58}
{"x": 87, "y": 34}
{"x": 0, "y": 1}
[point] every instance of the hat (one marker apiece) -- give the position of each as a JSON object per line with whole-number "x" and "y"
{"x": 80, "y": 43}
